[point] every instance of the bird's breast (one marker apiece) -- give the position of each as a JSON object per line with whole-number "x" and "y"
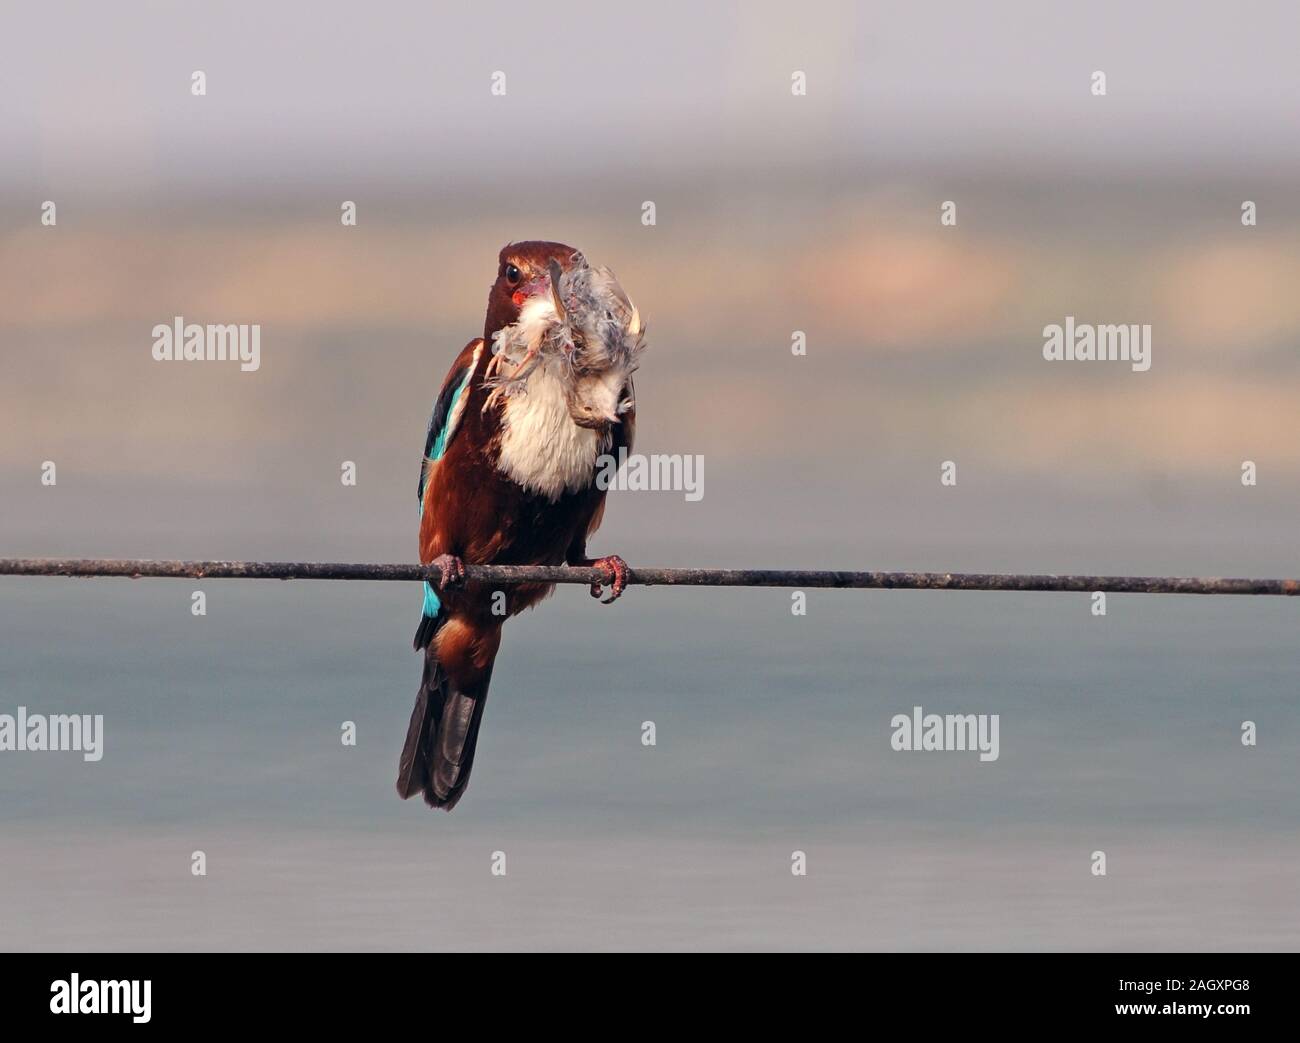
{"x": 541, "y": 448}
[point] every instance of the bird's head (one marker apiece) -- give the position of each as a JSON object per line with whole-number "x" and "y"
{"x": 550, "y": 309}
{"x": 523, "y": 274}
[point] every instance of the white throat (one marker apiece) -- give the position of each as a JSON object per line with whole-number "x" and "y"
{"x": 541, "y": 447}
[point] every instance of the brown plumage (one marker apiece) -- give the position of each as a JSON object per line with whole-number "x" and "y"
{"x": 505, "y": 490}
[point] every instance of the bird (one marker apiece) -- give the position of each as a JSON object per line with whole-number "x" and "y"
{"x": 509, "y": 477}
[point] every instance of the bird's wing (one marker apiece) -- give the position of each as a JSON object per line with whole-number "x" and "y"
{"x": 448, "y": 410}
{"x": 447, "y": 413}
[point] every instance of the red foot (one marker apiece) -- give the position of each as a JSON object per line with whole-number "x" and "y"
{"x": 617, "y": 571}
{"x": 452, "y": 570}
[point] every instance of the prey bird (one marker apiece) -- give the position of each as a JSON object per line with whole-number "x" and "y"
{"x": 509, "y": 478}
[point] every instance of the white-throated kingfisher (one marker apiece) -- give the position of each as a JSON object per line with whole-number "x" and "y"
{"x": 509, "y": 478}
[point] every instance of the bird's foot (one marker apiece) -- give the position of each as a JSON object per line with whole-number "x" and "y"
{"x": 452, "y": 571}
{"x": 617, "y": 573}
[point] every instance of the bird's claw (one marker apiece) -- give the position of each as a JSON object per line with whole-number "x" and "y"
{"x": 451, "y": 570}
{"x": 617, "y": 571}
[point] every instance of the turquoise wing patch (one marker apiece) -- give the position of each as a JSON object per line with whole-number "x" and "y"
{"x": 442, "y": 425}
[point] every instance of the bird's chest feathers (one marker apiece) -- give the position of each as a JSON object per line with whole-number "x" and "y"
{"x": 541, "y": 447}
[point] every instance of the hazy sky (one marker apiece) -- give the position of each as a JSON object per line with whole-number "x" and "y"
{"x": 96, "y": 97}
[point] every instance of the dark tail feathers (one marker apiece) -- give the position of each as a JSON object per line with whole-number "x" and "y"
{"x": 439, "y": 750}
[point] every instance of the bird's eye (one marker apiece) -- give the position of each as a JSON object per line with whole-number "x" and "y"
{"x": 513, "y": 275}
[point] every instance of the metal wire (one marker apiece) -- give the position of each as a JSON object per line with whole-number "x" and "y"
{"x": 507, "y": 574}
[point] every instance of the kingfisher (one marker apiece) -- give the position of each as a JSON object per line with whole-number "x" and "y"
{"x": 509, "y": 477}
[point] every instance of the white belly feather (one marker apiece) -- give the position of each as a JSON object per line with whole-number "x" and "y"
{"x": 541, "y": 447}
